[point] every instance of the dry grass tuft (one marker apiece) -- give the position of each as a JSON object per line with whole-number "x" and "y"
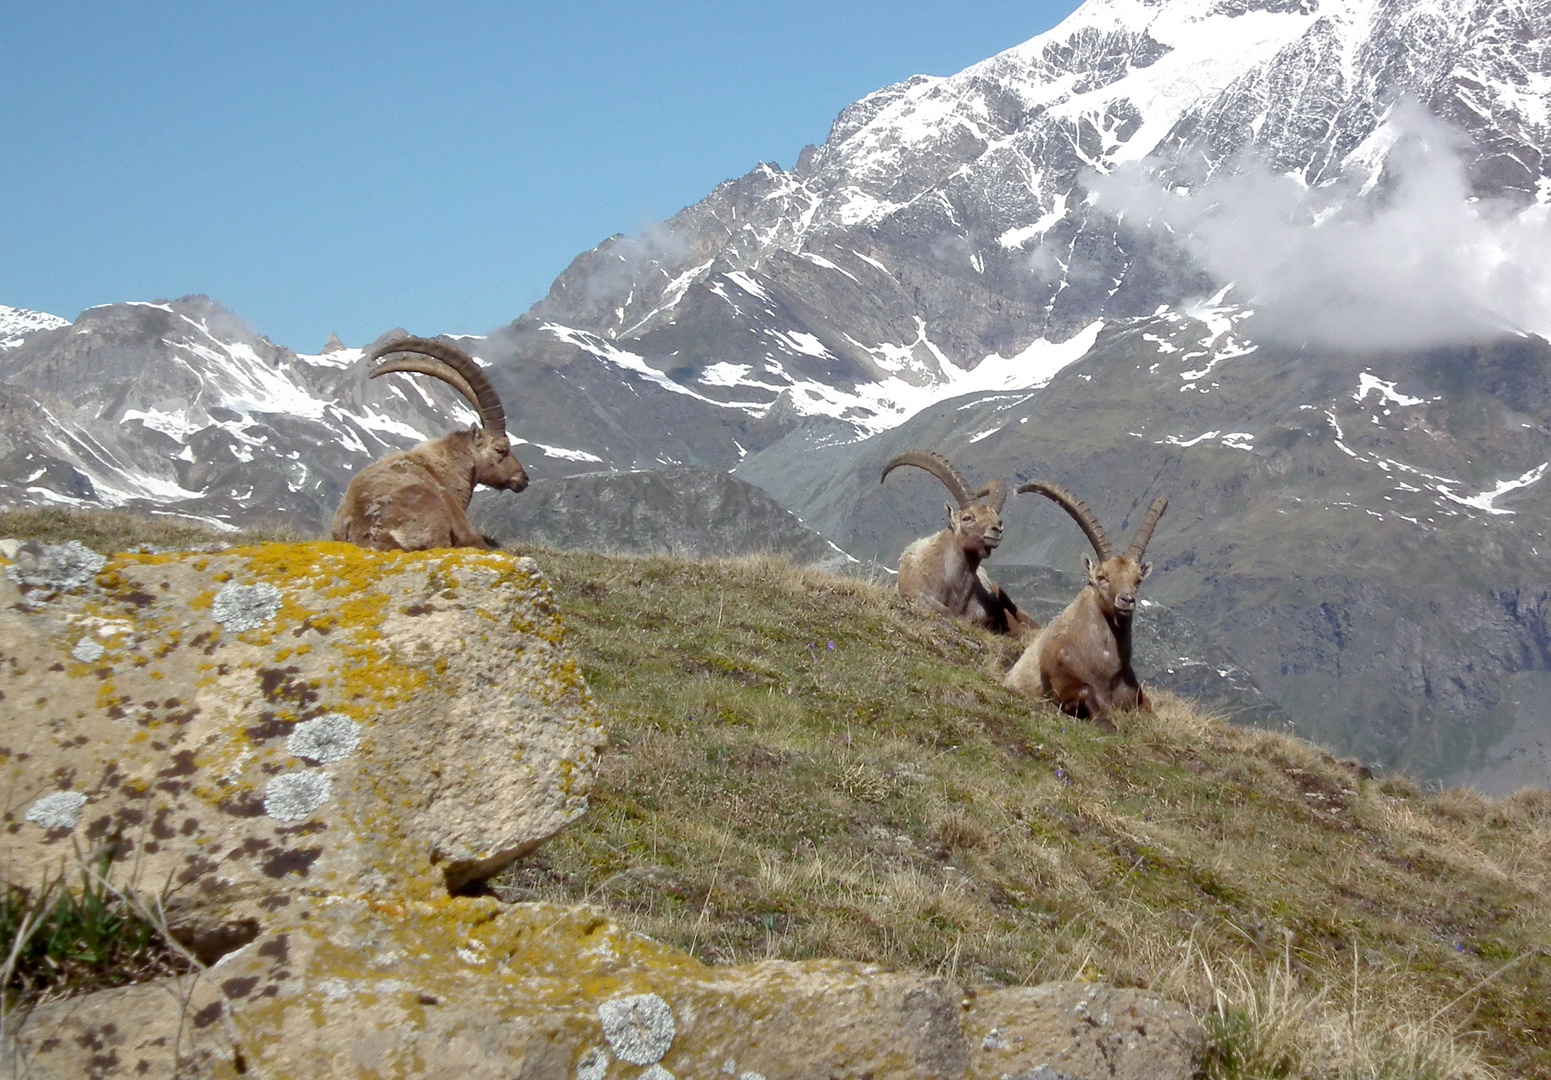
{"x": 955, "y": 830}
{"x": 112, "y": 531}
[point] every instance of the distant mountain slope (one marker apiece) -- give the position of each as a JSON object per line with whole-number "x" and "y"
{"x": 675, "y": 510}
{"x": 178, "y": 407}
{"x": 945, "y": 232}
{"x": 1362, "y": 534}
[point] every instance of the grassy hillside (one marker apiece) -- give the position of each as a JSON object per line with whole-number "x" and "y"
{"x": 800, "y": 766}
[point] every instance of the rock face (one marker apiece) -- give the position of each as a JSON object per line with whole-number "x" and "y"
{"x": 285, "y": 720}
{"x": 468, "y": 987}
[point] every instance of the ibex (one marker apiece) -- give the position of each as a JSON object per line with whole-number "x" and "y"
{"x": 942, "y": 572}
{"x": 1082, "y": 658}
{"x": 418, "y": 498}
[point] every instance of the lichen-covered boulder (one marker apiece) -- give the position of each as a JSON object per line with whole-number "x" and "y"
{"x": 311, "y": 747}
{"x": 284, "y": 720}
{"x": 471, "y": 988}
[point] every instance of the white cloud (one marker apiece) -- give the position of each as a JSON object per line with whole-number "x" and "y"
{"x": 1411, "y": 262}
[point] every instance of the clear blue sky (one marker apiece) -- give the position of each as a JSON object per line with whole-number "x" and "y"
{"x": 356, "y": 166}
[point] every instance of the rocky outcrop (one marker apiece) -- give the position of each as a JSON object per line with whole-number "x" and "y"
{"x": 472, "y": 988}
{"x": 281, "y": 720}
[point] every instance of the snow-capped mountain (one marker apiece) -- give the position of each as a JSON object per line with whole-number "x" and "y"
{"x": 1281, "y": 260}
{"x": 178, "y": 407}
{"x": 949, "y": 226}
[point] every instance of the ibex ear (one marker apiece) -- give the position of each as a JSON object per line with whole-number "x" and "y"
{"x": 1089, "y": 565}
{"x": 1146, "y": 569}
{"x": 952, "y": 520}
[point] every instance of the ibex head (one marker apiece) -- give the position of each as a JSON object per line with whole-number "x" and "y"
{"x": 1115, "y": 578}
{"x": 489, "y": 447}
{"x": 978, "y": 520}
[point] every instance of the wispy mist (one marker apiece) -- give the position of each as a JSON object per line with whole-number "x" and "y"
{"x": 1411, "y": 262}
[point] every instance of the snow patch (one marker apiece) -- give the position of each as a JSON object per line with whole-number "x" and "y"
{"x": 1367, "y": 384}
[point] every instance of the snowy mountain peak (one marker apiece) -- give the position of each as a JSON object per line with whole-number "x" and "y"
{"x": 17, "y": 323}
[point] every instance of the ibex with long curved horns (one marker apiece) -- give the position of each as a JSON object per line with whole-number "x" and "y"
{"x": 942, "y": 572}
{"x": 419, "y": 498}
{"x": 1082, "y": 659}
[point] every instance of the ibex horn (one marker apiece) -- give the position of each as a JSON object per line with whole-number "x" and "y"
{"x": 938, "y": 466}
{"x": 1079, "y": 511}
{"x": 1144, "y": 534}
{"x": 994, "y": 494}
{"x": 470, "y": 379}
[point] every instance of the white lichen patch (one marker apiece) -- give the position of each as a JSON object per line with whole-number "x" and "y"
{"x": 594, "y": 1064}
{"x": 245, "y": 607}
{"x": 55, "y": 568}
{"x": 61, "y": 810}
{"x": 87, "y": 651}
{"x": 657, "y": 1072}
{"x": 294, "y": 796}
{"x": 325, "y": 739}
{"x": 639, "y": 1028}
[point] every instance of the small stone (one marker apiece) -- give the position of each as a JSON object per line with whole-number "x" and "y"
{"x": 325, "y": 739}
{"x": 594, "y": 1064}
{"x": 9, "y": 547}
{"x": 294, "y": 796}
{"x": 87, "y": 651}
{"x": 640, "y": 1027}
{"x": 61, "y": 810}
{"x": 245, "y": 607}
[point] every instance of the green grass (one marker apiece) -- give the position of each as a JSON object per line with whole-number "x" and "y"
{"x": 57, "y": 940}
{"x": 884, "y": 800}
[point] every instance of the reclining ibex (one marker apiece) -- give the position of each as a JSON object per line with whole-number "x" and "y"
{"x": 1082, "y": 658}
{"x": 943, "y": 572}
{"x": 418, "y": 498}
